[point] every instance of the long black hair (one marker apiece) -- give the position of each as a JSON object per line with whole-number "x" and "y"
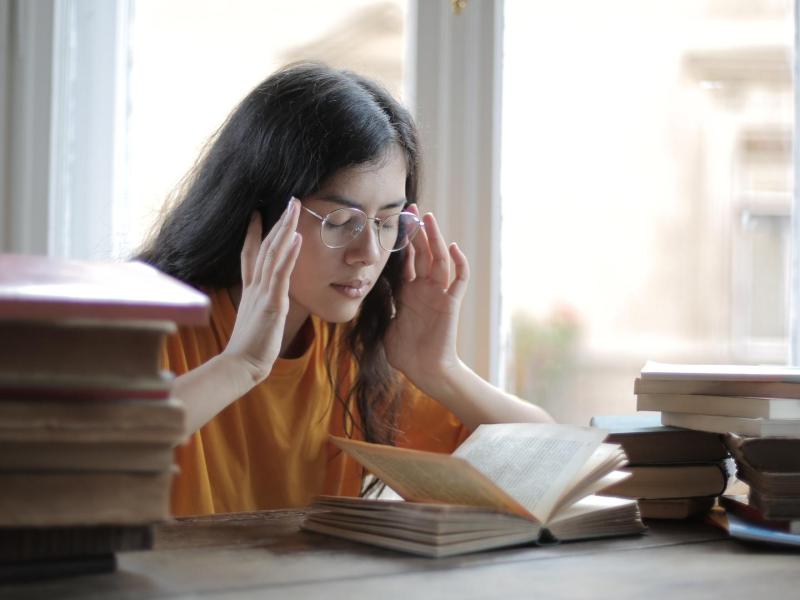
{"x": 286, "y": 138}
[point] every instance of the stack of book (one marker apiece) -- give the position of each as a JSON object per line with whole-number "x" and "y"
{"x": 750, "y": 400}
{"x": 771, "y": 468}
{"x": 87, "y": 421}
{"x": 757, "y": 407}
{"x": 675, "y": 473}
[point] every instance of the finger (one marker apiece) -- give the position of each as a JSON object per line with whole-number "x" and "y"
{"x": 282, "y": 243}
{"x": 250, "y": 248}
{"x": 458, "y": 288}
{"x": 422, "y": 254}
{"x": 408, "y": 266}
{"x": 440, "y": 265}
{"x": 278, "y": 238}
{"x": 282, "y": 273}
{"x": 409, "y": 271}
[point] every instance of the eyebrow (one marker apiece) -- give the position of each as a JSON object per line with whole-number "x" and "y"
{"x": 337, "y": 199}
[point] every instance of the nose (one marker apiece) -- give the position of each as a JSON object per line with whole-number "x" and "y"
{"x": 365, "y": 248}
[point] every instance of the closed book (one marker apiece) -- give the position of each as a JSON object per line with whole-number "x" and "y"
{"x": 82, "y": 387}
{"x": 39, "y": 543}
{"x": 775, "y": 507}
{"x": 646, "y": 441}
{"x": 733, "y": 406}
{"x": 769, "y": 483}
{"x": 56, "y": 568}
{"x": 133, "y": 455}
{"x": 91, "y": 498}
{"x": 82, "y": 348}
{"x": 672, "y": 481}
{"x": 765, "y": 389}
{"x": 773, "y": 454}
{"x": 740, "y": 506}
{"x": 40, "y": 287}
{"x": 46, "y": 421}
{"x": 744, "y": 529}
{"x": 675, "y": 508}
{"x": 738, "y": 425}
{"x": 720, "y": 372}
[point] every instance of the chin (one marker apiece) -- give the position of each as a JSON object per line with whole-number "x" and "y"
{"x": 339, "y": 312}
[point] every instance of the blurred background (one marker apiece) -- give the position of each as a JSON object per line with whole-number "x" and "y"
{"x": 642, "y": 161}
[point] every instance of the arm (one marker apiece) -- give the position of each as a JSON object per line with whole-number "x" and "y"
{"x": 421, "y": 341}
{"x": 474, "y": 400}
{"x": 258, "y": 332}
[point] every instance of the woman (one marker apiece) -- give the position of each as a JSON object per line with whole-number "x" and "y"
{"x": 341, "y": 320}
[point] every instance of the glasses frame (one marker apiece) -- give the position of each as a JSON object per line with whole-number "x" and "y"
{"x": 376, "y": 220}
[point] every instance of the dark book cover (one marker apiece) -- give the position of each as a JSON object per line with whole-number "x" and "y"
{"x": 19, "y": 544}
{"x": 647, "y": 442}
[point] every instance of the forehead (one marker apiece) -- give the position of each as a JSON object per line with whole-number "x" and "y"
{"x": 370, "y": 185}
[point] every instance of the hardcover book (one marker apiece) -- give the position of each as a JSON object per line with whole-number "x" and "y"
{"x": 712, "y": 387}
{"x": 739, "y": 425}
{"x": 46, "y": 499}
{"x": 672, "y": 481}
{"x": 675, "y": 508}
{"x": 705, "y": 372}
{"x": 82, "y": 348}
{"x": 725, "y": 406}
{"x": 776, "y": 455}
{"x": 647, "y": 442}
{"x": 40, "y": 287}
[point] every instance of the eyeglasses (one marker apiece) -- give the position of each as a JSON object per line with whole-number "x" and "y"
{"x": 341, "y": 226}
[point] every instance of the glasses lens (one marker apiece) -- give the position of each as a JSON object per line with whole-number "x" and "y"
{"x": 398, "y": 230}
{"x": 342, "y": 226}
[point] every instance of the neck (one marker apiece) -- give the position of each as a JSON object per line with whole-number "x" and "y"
{"x": 294, "y": 340}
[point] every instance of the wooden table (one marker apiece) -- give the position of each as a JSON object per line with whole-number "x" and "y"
{"x": 264, "y": 555}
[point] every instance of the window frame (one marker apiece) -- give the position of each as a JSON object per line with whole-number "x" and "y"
{"x": 454, "y": 83}
{"x": 455, "y": 94}
{"x": 794, "y": 280}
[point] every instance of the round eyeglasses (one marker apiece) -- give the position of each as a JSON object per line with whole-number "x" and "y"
{"x": 341, "y": 226}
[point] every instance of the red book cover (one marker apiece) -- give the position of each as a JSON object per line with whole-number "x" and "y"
{"x": 40, "y": 287}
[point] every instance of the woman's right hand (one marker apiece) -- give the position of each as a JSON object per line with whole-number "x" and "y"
{"x": 266, "y": 269}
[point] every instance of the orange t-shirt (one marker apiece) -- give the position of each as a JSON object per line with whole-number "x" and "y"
{"x": 270, "y": 449}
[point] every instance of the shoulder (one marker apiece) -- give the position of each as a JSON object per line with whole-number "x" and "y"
{"x": 189, "y": 347}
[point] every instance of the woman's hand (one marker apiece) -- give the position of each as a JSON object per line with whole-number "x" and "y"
{"x": 266, "y": 268}
{"x": 421, "y": 340}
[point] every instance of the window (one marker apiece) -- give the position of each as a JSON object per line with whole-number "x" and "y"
{"x": 191, "y": 62}
{"x": 647, "y": 191}
{"x": 646, "y": 169}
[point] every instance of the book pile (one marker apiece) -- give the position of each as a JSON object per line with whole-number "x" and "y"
{"x": 675, "y": 473}
{"x": 757, "y": 407}
{"x": 87, "y": 422}
{"x": 507, "y": 484}
{"x": 771, "y": 468}
{"x": 750, "y": 400}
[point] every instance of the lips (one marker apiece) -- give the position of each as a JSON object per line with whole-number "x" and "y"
{"x": 353, "y": 288}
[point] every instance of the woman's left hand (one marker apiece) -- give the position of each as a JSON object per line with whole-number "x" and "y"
{"x": 421, "y": 340}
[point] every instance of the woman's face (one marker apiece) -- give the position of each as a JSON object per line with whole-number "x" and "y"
{"x": 332, "y": 282}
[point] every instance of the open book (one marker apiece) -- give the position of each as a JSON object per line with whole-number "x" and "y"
{"x": 506, "y": 484}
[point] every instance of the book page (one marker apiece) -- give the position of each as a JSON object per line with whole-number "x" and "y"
{"x": 430, "y": 477}
{"x": 594, "y": 475}
{"x": 535, "y": 463}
